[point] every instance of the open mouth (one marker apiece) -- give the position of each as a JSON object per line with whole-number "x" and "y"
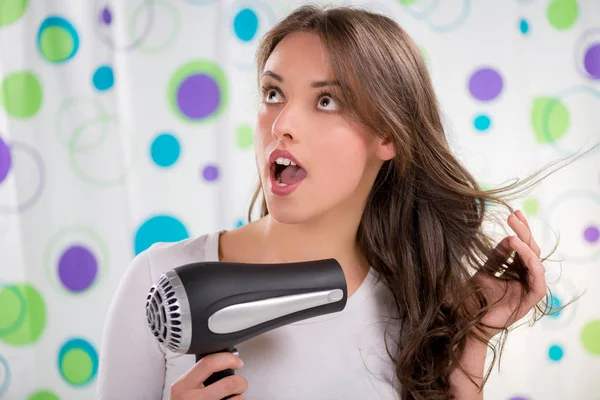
{"x": 286, "y": 172}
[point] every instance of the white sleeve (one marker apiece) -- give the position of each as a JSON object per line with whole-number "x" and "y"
{"x": 131, "y": 364}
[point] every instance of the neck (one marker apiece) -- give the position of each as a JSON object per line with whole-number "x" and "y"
{"x": 314, "y": 240}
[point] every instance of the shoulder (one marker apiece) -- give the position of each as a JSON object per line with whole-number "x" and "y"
{"x": 164, "y": 256}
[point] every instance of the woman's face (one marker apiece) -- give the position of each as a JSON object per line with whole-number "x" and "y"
{"x": 299, "y": 114}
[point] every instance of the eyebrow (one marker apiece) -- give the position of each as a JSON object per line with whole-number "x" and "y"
{"x": 316, "y": 84}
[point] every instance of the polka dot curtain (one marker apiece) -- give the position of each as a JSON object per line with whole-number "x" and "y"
{"x": 126, "y": 123}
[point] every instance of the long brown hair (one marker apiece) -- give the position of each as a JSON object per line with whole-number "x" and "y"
{"x": 421, "y": 229}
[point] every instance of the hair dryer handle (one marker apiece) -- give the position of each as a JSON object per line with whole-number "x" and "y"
{"x": 220, "y": 374}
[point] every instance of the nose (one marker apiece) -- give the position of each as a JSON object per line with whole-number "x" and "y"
{"x": 285, "y": 125}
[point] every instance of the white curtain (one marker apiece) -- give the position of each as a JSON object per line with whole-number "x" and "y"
{"x": 127, "y": 122}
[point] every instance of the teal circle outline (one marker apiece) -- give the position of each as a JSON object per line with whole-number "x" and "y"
{"x": 81, "y": 344}
{"x": 55, "y": 20}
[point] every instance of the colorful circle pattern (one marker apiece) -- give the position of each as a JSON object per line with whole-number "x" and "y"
{"x": 21, "y": 94}
{"x": 5, "y": 160}
{"x": 57, "y": 40}
{"x": 198, "y": 91}
{"x": 159, "y": 228}
{"x": 23, "y": 317}
{"x": 78, "y": 362}
{"x": 165, "y": 150}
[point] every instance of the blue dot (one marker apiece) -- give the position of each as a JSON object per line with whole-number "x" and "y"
{"x": 556, "y": 304}
{"x": 482, "y": 122}
{"x": 165, "y": 150}
{"x": 103, "y": 78}
{"x": 159, "y": 228}
{"x": 555, "y": 352}
{"x": 239, "y": 223}
{"x": 245, "y": 24}
{"x": 524, "y": 26}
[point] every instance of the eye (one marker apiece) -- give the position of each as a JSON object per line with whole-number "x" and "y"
{"x": 326, "y": 100}
{"x": 268, "y": 92}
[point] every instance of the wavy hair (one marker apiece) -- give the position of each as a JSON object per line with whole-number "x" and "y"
{"x": 423, "y": 195}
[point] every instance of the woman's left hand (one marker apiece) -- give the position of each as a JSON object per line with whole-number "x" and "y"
{"x": 509, "y": 309}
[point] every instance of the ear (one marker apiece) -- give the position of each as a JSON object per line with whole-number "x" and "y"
{"x": 385, "y": 149}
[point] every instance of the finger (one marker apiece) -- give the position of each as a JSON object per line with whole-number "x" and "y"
{"x": 233, "y": 384}
{"x": 238, "y": 397}
{"x": 536, "y": 269}
{"x": 533, "y": 244}
{"x": 522, "y": 231}
{"x": 205, "y": 367}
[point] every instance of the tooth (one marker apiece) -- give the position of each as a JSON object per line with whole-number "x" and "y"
{"x": 293, "y": 163}
{"x": 279, "y": 181}
{"x": 286, "y": 161}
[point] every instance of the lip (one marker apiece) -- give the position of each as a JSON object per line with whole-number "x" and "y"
{"x": 273, "y": 186}
{"x": 275, "y": 154}
{"x": 278, "y": 190}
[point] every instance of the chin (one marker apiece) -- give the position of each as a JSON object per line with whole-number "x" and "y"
{"x": 287, "y": 213}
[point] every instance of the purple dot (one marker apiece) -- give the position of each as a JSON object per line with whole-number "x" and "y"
{"x": 592, "y": 61}
{"x": 519, "y": 398}
{"x": 485, "y": 84}
{"x": 5, "y": 160}
{"x": 210, "y": 172}
{"x": 106, "y": 16}
{"x": 591, "y": 234}
{"x": 198, "y": 96}
{"x": 77, "y": 268}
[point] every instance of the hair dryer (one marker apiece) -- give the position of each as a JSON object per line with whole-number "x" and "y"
{"x": 210, "y": 307}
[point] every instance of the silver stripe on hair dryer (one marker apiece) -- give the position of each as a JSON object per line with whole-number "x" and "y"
{"x": 209, "y": 307}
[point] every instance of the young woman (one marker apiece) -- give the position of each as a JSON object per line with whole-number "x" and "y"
{"x": 354, "y": 165}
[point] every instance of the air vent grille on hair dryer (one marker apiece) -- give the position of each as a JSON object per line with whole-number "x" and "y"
{"x": 167, "y": 315}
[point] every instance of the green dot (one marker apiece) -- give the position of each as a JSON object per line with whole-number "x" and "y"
{"x": 562, "y": 13}
{"x": 531, "y": 206}
{"x": 590, "y": 337}
{"x": 244, "y": 136}
{"x": 56, "y": 43}
{"x": 43, "y": 395}
{"x": 34, "y": 319}
{"x": 14, "y": 306}
{"x": 21, "y": 94}
{"x": 550, "y": 119}
{"x": 76, "y": 366}
{"x": 407, "y": 2}
{"x": 11, "y": 10}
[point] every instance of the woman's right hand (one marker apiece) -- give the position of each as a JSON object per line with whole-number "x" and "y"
{"x": 191, "y": 385}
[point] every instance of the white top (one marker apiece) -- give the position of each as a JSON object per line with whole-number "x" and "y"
{"x": 334, "y": 356}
